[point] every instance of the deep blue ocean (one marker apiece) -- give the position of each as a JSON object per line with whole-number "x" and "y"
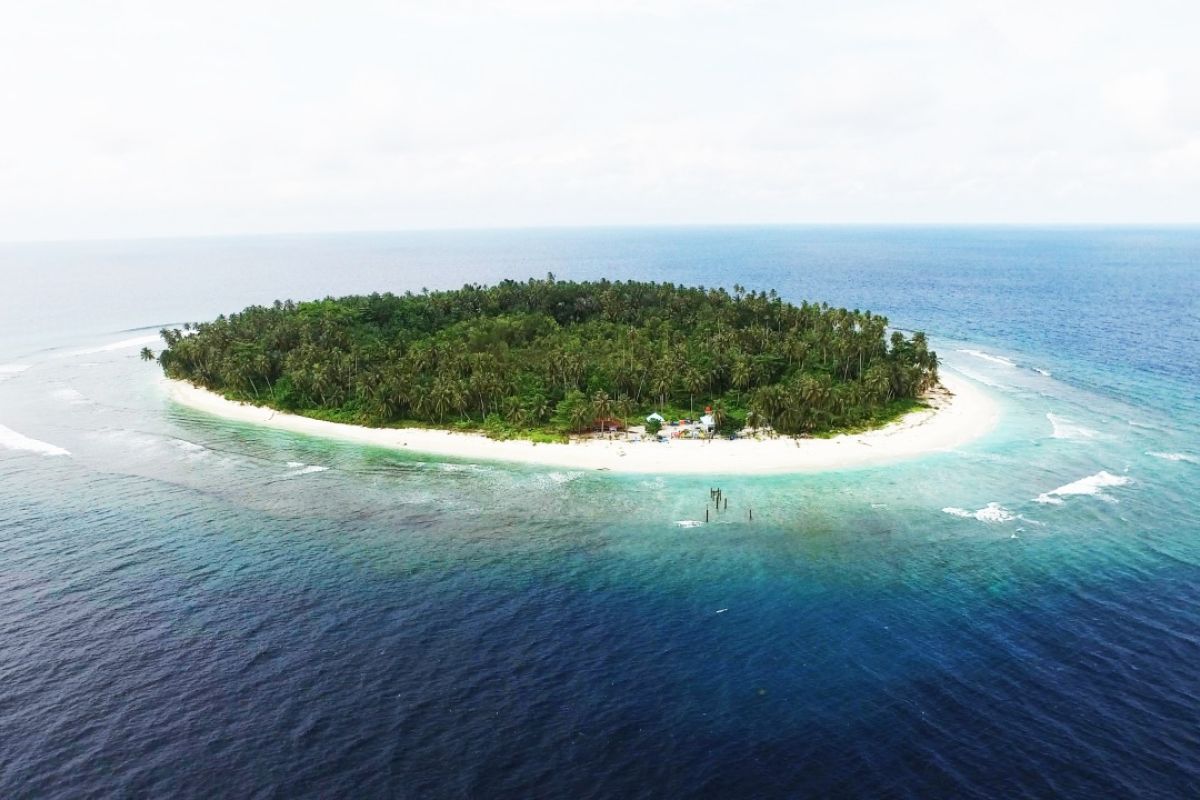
{"x": 196, "y": 608}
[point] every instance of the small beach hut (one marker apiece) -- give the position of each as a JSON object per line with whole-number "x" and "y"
{"x": 656, "y": 417}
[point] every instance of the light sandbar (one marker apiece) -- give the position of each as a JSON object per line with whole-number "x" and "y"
{"x": 960, "y": 412}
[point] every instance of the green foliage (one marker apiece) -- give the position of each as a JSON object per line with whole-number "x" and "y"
{"x": 653, "y": 426}
{"x": 553, "y": 357}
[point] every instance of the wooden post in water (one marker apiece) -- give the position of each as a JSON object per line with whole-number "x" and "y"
{"x": 751, "y": 510}
{"x": 706, "y": 513}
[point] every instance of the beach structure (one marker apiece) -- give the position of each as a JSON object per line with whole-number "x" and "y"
{"x": 608, "y": 424}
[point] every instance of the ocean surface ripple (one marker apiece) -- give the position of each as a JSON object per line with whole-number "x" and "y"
{"x": 193, "y": 608}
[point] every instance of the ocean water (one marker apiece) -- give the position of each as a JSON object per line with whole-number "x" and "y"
{"x": 194, "y": 608}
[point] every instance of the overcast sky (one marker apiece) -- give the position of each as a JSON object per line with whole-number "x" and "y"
{"x": 129, "y": 119}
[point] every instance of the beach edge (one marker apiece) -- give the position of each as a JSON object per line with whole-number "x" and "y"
{"x": 961, "y": 412}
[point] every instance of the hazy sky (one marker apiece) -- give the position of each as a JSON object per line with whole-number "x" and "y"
{"x": 132, "y": 119}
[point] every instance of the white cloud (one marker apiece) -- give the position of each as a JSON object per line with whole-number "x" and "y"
{"x": 130, "y": 118}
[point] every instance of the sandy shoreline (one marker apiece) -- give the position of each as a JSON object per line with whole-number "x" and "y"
{"x": 965, "y": 413}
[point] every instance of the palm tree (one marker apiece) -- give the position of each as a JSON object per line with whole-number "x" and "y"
{"x": 789, "y": 417}
{"x": 147, "y": 354}
{"x": 581, "y": 417}
{"x": 523, "y": 348}
{"x": 878, "y": 383}
{"x": 662, "y": 386}
{"x": 514, "y": 411}
{"x": 693, "y": 381}
{"x": 602, "y": 405}
{"x": 719, "y": 414}
{"x": 740, "y": 374}
{"x": 623, "y": 406}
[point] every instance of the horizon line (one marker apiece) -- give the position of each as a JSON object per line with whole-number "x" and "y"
{"x": 650, "y": 226}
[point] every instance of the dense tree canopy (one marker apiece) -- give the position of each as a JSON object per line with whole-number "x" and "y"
{"x": 556, "y": 355}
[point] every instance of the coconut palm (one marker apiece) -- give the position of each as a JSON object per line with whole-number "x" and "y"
{"x": 719, "y": 414}
{"x": 521, "y": 348}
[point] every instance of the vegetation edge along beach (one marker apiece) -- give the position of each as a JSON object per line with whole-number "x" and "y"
{"x": 543, "y": 361}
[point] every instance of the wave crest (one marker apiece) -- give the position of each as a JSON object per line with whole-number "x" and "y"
{"x": 19, "y": 441}
{"x": 1174, "y": 456}
{"x": 1093, "y": 485}
{"x": 139, "y": 341}
{"x": 300, "y": 468}
{"x": 992, "y": 512}
{"x": 1007, "y": 362}
{"x": 1064, "y": 428}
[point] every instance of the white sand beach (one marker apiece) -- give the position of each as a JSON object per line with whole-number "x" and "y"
{"x": 960, "y": 413}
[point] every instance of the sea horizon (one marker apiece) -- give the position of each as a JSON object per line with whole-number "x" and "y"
{"x": 1082, "y": 226}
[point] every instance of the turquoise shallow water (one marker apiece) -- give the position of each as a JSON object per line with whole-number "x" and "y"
{"x": 194, "y": 607}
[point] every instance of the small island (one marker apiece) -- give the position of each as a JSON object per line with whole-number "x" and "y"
{"x": 549, "y": 361}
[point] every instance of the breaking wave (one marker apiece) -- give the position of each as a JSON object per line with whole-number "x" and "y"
{"x": 1093, "y": 485}
{"x": 189, "y": 447}
{"x": 138, "y": 341}
{"x": 980, "y": 378}
{"x": 989, "y": 357}
{"x": 1174, "y": 457}
{"x": 19, "y": 441}
{"x": 300, "y": 468}
{"x": 1069, "y": 429}
{"x": 992, "y": 512}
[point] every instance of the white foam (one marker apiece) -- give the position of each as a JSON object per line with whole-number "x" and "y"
{"x": 989, "y": 357}
{"x": 1174, "y": 456}
{"x": 992, "y": 512}
{"x": 689, "y": 523}
{"x": 17, "y": 441}
{"x": 138, "y": 341}
{"x": 1069, "y": 429}
{"x": 11, "y": 370}
{"x": 300, "y": 468}
{"x": 1093, "y": 485}
{"x": 1041, "y": 371}
{"x": 448, "y": 467}
{"x": 986, "y": 381}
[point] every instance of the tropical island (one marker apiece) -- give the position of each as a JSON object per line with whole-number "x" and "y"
{"x": 550, "y": 361}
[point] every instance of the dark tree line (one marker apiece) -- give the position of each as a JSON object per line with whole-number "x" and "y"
{"x": 550, "y": 354}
